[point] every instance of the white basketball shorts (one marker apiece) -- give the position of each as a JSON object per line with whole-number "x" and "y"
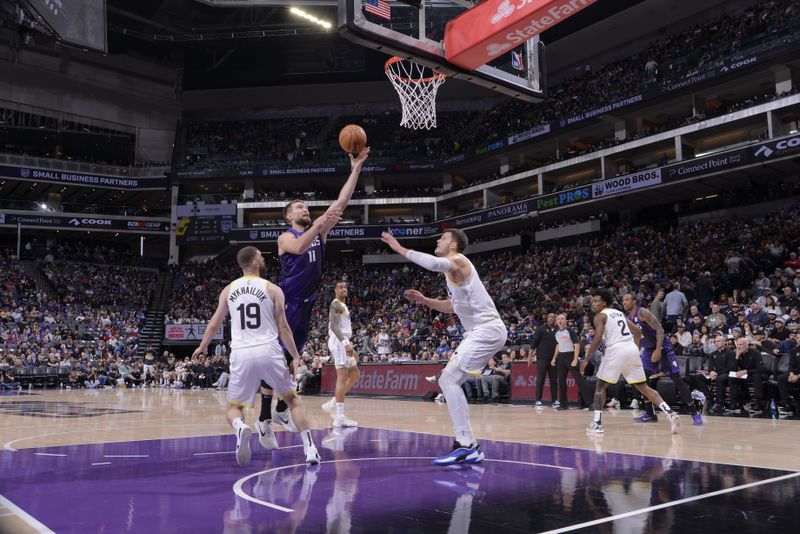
{"x": 479, "y": 345}
{"x": 621, "y": 359}
{"x": 251, "y": 365}
{"x": 340, "y": 357}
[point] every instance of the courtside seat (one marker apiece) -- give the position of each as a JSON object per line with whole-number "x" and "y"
{"x": 63, "y": 375}
{"x": 51, "y": 376}
{"x": 39, "y": 376}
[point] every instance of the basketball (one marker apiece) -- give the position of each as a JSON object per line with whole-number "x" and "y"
{"x": 352, "y": 138}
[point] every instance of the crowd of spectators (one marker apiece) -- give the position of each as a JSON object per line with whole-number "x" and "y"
{"x": 526, "y": 287}
{"x": 740, "y": 278}
{"x": 665, "y": 61}
{"x": 84, "y": 316}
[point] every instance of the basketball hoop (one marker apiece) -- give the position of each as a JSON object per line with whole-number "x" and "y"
{"x": 417, "y": 86}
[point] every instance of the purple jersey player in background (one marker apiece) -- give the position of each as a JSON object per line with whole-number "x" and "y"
{"x": 301, "y": 250}
{"x": 659, "y": 356}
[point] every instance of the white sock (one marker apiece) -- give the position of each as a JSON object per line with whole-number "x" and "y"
{"x": 238, "y": 423}
{"x": 664, "y": 407}
{"x": 457, "y": 405}
{"x": 308, "y": 443}
{"x": 339, "y": 409}
{"x": 465, "y": 437}
{"x": 597, "y": 415}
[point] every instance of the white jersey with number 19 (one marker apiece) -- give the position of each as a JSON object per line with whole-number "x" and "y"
{"x": 616, "y": 330}
{"x": 252, "y": 313}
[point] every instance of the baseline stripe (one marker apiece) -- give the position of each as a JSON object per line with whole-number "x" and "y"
{"x": 25, "y": 516}
{"x": 672, "y": 503}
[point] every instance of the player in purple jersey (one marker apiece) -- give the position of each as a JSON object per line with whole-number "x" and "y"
{"x": 301, "y": 250}
{"x": 659, "y": 356}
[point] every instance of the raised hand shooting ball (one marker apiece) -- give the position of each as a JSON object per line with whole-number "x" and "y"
{"x": 352, "y": 138}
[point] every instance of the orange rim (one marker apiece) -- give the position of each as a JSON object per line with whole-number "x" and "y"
{"x": 392, "y": 60}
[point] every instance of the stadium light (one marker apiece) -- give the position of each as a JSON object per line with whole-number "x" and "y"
{"x": 300, "y": 13}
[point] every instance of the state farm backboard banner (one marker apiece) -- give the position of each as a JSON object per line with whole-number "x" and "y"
{"x": 387, "y": 379}
{"x": 523, "y": 383}
{"x": 482, "y": 33}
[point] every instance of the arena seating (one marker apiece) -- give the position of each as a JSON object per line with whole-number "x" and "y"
{"x": 678, "y": 56}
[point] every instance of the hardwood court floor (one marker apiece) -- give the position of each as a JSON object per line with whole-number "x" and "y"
{"x": 64, "y": 418}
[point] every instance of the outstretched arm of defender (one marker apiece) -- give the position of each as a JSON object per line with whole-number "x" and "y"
{"x": 214, "y": 322}
{"x": 599, "y": 327}
{"x": 426, "y": 261}
{"x": 444, "y": 306}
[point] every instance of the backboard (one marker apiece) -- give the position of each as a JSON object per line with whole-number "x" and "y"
{"x": 398, "y": 29}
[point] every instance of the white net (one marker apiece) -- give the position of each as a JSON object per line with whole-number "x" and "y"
{"x": 417, "y": 86}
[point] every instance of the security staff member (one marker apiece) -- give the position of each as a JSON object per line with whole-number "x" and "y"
{"x": 544, "y": 345}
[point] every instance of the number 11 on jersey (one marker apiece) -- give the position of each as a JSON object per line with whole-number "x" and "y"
{"x": 312, "y": 256}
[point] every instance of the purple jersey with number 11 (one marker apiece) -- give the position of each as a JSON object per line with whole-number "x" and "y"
{"x": 301, "y": 273}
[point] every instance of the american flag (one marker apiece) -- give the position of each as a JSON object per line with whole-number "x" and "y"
{"x": 379, "y": 8}
{"x": 516, "y": 61}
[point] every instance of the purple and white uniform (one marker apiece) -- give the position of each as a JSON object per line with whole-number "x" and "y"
{"x": 668, "y": 364}
{"x": 300, "y": 278}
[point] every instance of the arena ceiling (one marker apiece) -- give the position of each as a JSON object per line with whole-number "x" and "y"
{"x": 263, "y": 43}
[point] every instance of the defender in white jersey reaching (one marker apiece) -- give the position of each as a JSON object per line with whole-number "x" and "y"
{"x": 340, "y": 330}
{"x": 621, "y": 357}
{"x": 485, "y": 333}
{"x": 258, "y": 319}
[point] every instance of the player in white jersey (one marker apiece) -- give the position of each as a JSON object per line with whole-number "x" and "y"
{"x": 621, "y": 357}
{"x": 257, "y": 320}
{"x": 485, "y": 333}
{"x": 340, "y": 330}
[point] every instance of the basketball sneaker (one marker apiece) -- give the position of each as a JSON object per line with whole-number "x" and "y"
{"x": 285, "y": 418}
{"x": 645, "y": 417}
{"x": 556, "y": 404}
{"x": 613, "y": 403}
{"x": 595, "y": 428}
{"x": 537, "y": 404}
{"x": 674, "y": 422}
{"x": 330, "y": 407}
{"x": 266, "y": 436}
{"x": 699, "y": 400}
{"x": 344, "y": 421}
{"x": 312, "y": 456}
{"x": 461, "y": 455}
{"x": 243, "y": 445}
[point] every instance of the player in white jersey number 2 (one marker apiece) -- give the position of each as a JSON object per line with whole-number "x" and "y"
{"x": 485, "y": 332}
{"x": 258, "y": 318}
{"x": 621, "y": 357}
{"x": 340, "y": 331}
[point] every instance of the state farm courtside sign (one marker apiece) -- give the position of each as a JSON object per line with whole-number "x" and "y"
{"x": 387, "y": 379}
